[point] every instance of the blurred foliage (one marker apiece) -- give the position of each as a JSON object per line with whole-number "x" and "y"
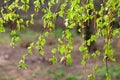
{"x": 114, "y": 71}
{"x": 71, "y": 77}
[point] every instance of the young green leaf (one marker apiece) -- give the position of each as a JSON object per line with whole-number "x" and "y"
{"x": 69, "y": 59}
{"x": 53, "y": 50}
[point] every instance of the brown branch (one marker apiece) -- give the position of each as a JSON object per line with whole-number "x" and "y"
{"x": 106, "y": 63}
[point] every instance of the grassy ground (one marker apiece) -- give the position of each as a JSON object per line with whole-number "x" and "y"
{"x": 26, "y": 35}
{"x": 42, "y": 70}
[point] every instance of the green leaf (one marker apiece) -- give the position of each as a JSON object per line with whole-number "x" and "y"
{"x": 69, "y": 59}
{"x": 30, "y": 48}
{"x": 13, "y": 32}
{"x": 42, "y": 1}
{"x": 83, "y": 62}
{"x": 37, "y": 3}
{"x": 24, "y": 56}
{"x": 60, "y": 40}
{"x": 52, "y": 2}
{"x": 46, "y": 34}
{"x": 22, "y": 64}
{"x": 2, "y": 29}
{"x": 53, "y": 59}
{"x": 12, "y": 44}
{"x": 27, "y": 23}
{"x": 104, "y": 32}
{"x": 17, "y": 38}
{"x": 25, "y": 7}
{"x": 70, "y": 40}
{"x": 62, "y": 7}
{"x": 62, "y": 49}
{"x": 91, "y": 77}
{"x": 25, "y": 1}
{"x": 66, "y": 22}
{"x": 108, "y": 77}
{"x": 11, "y": 7}
{"x": 86, "y": 56}
{"x": 43, "y": 42}
{"x": 98, "y": 52}
{"x": 30, "y": 51}
{"x": 119, "y": 13}
{"x": 81, "y": 48}
{"x": 42, "y": 52}
{"x": 93, "y": 37}
{"x": 1, "y": 22}
{"x": 61, "y": 14}
{"x": 97, "y": 68}
{"x": 89, "y": 42}
{"x": 68, "y": 33}
{"x": 116, "y": 31}
{"x": 72, "y": 25}
{"x": 53, "y": 50}
{"x": 32, "y": 20}
{"x": 94, "y": 56}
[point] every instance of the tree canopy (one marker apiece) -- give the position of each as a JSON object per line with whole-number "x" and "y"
{"x": 98, "y": 16}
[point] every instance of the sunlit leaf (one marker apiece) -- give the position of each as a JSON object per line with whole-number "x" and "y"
{"x": 53, "y": 50}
